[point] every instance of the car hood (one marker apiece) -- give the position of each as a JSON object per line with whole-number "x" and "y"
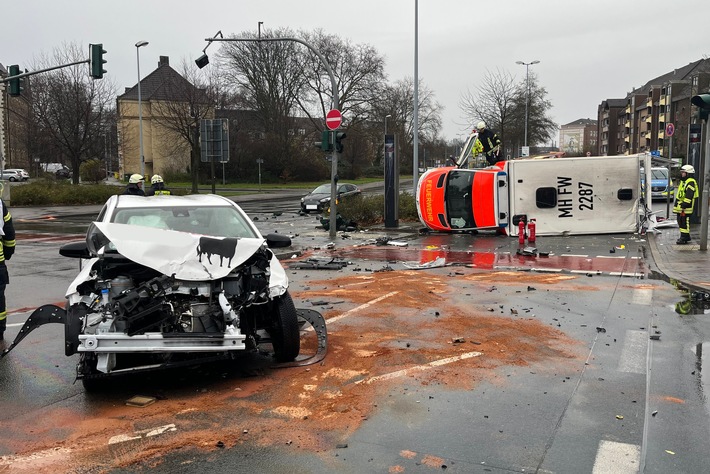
{"x": 183, "y": 255}
{"x": 316, "y": 197}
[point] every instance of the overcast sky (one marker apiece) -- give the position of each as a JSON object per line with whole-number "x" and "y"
{"x": 588, "y": 50}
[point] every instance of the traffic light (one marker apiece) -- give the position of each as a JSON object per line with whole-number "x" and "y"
{"x": 339, "y": 136}
{"x": 324, "y": 144}
{"x": 15, "y": 84}
{"x": 702, "y": 102}
{"x": 96, "y": 60}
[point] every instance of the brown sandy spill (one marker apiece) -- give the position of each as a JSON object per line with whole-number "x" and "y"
{"x": 318, "y": 406}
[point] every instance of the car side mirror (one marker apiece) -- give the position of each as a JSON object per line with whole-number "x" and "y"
{"x": 278, "y": 241}
{"x": 75, "y": 250}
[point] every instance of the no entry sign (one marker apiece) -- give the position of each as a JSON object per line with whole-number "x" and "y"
{"x": 333, "y": 119}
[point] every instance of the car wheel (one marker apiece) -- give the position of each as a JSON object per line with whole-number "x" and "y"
{"x": 13, "y": 179}
{"x": 285, "y": 333}
{"x": 87, "y": 368}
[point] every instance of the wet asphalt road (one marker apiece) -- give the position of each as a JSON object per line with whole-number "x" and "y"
{"x": 622, "y": 403}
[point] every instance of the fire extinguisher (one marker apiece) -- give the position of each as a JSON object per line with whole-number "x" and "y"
{"x": 531, "y": 230}
{"x": 521, "y": 231}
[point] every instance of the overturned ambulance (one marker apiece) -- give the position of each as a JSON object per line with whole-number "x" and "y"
{"x": 581, "y": 195}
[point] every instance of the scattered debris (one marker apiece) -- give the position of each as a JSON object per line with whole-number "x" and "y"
{"x": 458, "y": 340}
{"x": 386, "y": 268}
{"x": 601, "y": 329}
{"x": 220, "y": 444}
{"x": 439, "y": 262}
{"x": 527, "y": 251}
{"x": 655, "y": 337}
{"x": 531, "y": 288}
{"x": 654, "y": 413}
{"x": 315, "y": 264}
{"x": 619, "y": 417}
{"x": 140, "y": 401}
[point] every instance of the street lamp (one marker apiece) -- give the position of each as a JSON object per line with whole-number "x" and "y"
{"x": 140, "y": 108}
{"x": 527, "y": 92}
{"x": 386, "y": 117}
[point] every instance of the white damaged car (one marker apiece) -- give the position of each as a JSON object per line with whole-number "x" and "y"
{"x": 174, "y": 279}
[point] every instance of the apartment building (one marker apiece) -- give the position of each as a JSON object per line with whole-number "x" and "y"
{"x": 579, "y": 137}
{"x": 641, "y": 125}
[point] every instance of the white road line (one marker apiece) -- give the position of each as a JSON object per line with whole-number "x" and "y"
{"x": 642, "y": 296}
{"x": 572, "y": 255}
{"x": 633, "y": 354}
{"x": 609, "y": 256}
{"x": 142, "y": 434}
{"x": 432, "y": 364}
{"x": 619, "y": 458}
{"x": 362, "y": 306}
{"x": 36, "y": 456}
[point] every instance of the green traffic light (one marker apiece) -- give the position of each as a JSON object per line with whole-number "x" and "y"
{"x": 96, "y": 60}
{"x": 15, "y": 84}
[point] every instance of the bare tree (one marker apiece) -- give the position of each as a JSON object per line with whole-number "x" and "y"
{"x": 359, "y": 75}
{"x": 493, "y": 101}
{"x": 398, "y": 101}
{"x": 70, "y": 107}
{"x": 268, "y": 76}
{"x": 189, "y": 99}
{"x": 500, "y": 102}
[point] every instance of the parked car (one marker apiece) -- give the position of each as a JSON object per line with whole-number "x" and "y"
{"x": 319, "y": 199}
{"x": 10, "y": 175}
{"x": 660, "y": 184}
{"x": 171, "y": 280}
{"x": 64, "y": 173}
{"x": 23, "y": 174}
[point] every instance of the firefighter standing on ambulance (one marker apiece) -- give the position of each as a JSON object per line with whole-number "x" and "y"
{"x": 7, "y": 248}
{"x": 685, "y": 198}
{"x": 490, "y": 142}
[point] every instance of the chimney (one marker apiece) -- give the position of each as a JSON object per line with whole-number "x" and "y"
{"x": 164, "y": 61}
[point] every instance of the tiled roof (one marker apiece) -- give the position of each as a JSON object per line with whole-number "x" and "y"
{"x": 165, "y": 84}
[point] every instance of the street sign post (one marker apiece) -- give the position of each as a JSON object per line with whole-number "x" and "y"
{"x": 333, "y": 119}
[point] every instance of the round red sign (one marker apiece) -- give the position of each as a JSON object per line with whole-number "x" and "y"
{"x": 670, "y": 129}
{"x": 333, "y": 119}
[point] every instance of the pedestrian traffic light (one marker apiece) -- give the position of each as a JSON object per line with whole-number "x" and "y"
{"x": 15, "y": 84}
{"x": 324, "y": 144}
{"x": 96, "y": 60}
{"x": 339, "y": 136}
{"x": 702, "y": 102}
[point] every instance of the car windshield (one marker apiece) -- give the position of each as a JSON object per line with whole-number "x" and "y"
{"x": 459, "y": 205}
{"x": 659, "y": 173}
{"x": 322, "y": 189}
{"x": 217, "y": 221}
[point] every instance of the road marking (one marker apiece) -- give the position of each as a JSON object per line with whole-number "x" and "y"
{"x": 142, "y": 434}
{"x": 642, "y": 296}
{"x": 633, "y": 355}
{"x": 573, "y": 255}
{"x": 362, "y": 306}
{"x": 37, "y": 456}
{"x": 416, "y": 368}
{"x": 619, "y": 458}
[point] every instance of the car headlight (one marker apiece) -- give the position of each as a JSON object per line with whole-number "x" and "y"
{"x": 303, "y": 199}
{"x": 325, "y": 200}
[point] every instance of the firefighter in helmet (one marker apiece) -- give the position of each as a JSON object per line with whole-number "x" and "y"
{"x": 490, "y": 142}
{"x": 157, "y": 187}
{"x": 135, "y": 185}
{"x": 685, "y": 198}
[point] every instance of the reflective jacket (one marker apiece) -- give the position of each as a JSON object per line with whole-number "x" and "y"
{"x": 489, "y": 140}
{"x": 685, "y": 196}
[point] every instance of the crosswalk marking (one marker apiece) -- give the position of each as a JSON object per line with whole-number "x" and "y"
{"x": 633, "y": 355}
{"x": 619, "y": 458}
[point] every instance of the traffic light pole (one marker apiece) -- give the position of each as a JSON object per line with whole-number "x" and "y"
{"x": 336, "y": 154}
{"x": 706, "y": 189}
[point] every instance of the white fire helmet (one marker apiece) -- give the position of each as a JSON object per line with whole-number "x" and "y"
{"x": 688, "y": 169}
